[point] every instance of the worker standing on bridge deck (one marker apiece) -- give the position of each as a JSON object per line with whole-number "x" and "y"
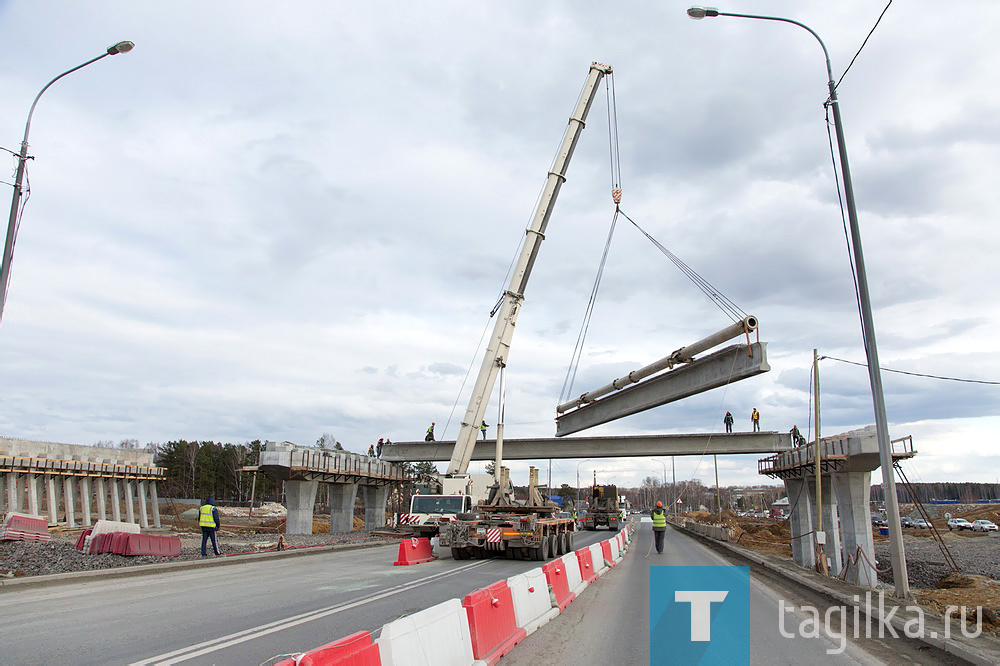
{"x": 755, "y": 418}
{"x": 429, "y": 437}
{"x": 482, "y": 429}
{"x": 659, "y": 526}
{"x": 728, "y": 421}
{"x": 371, "y": 450}
{"x": 378, "y": 448}
{"x": 208, "y": 518}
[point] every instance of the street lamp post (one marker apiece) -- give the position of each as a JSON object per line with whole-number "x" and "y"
{"x": 899, "y": 573}
{"x": 578, "y": 491}
{"x": 22, "y": 158}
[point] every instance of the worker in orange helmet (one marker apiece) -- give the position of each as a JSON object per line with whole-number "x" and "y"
{"x": 659, "y": 526}
{"x": 429, "y": 437}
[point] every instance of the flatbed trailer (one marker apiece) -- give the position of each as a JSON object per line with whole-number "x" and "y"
{"x": 520, "y": 533}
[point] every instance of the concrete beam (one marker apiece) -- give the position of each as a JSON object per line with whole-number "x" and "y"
{"x": 155, "y": 501}
{"x": 599, "y": 447}
{"x": 718, "y": 369}
{"x": 85, "y": 500}
{"x": 143, "y": 515}
{"x": 52, "y": 497}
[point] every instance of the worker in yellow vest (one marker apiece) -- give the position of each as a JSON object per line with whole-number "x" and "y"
{"x": 659, "y": 526}
{"x": 208, "y": 519}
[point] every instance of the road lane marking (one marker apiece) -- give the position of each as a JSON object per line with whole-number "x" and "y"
{"x": 222, "y": 642}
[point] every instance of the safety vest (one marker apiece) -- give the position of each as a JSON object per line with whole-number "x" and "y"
{"x": 659, "y": 518}
{"x": 755, "y": 416}
{"x": 430, "y": 430}
{"x": 205, "y": 517}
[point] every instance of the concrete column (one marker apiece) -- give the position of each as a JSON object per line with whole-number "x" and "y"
{"x": 300, "y": 496}
{"x": 116, "y": 501}
{"x": 143, "y": 515}
{"x": 375, "y": 497}
{"x": 853, "y": 489}
{"x": 102, "y": 499}
{"x": 31, "y": 481}
{"x": 342, "y": 499}
{"x": 13, "y": 496}
{"x": 155, "y": 501}
{"x": 800, "y": 522}
{"x": 831, "y": 526}
{"x": 52, "y": 496}
{"x": 130, "y": 501}
{"x": 68, "y": 496}
{"x": 85, "y": 499}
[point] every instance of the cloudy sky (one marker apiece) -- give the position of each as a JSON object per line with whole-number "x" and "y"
{"x": 274, "y": 221}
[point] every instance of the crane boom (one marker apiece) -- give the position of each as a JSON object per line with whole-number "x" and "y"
{"x": 499, "y": 344}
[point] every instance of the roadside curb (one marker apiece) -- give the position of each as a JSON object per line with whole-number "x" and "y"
{"x": 949, "y": 645}
{"x": 28, "y": 582}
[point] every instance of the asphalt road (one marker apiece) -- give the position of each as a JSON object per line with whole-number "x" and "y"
{"x": 609, "y": 622}
{"x": 240, "y": 614}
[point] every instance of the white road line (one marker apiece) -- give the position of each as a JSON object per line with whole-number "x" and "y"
{"x": 222, "y": 642}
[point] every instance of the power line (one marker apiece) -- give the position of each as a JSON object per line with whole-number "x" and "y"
{"x": 914, "y": 374}
{"x": 863, "y": 43}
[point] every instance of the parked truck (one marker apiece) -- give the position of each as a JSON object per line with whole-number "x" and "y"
{"x": 526, "y": 528}
{"x": 455, "y": 495}
{"x": 603, "y": 508}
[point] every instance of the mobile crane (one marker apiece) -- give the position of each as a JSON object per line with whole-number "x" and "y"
{"x": 528, "y": 530}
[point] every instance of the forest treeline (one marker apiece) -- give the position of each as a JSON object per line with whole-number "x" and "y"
{"x": 925, "y": 492}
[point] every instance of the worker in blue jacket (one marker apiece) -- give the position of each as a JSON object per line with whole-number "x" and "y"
{"x": 208, "y": 518}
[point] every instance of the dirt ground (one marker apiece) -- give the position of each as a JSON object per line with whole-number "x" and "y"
{"x": 934, "y": 586}
{"x": 239, "y": 534}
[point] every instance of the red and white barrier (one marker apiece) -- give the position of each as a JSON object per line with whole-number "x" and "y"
{"x": 533, "y": 605}
{"x": 483, "y": 629}
{"x": 107, "y": 527}
{"x": 414, "y": 551}
{"x": 572, "y": 564}
{"x": 357, "y": 650}
{"x": 492, "y": 622}
{"x": 597, "y": 559}
{"x": 24, "y": 527}
{"x": 436, "y": 635}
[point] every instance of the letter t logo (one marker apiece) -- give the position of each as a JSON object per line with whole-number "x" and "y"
{"x": 701, "y": 610}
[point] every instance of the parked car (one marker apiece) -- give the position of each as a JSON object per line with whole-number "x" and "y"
{"x": 905, "y": 521}
{"x": 984, "y": 526}
{"x": 921, "y": 524}
{"x": 959, "y": 524}
{"x": 878, "y": 521}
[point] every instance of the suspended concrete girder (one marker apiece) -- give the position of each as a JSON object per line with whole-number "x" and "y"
{"x": 718, "y": 369}
{"x": 598, "y": 447}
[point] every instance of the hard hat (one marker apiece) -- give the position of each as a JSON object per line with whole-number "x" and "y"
{"x": 659, "y": 504}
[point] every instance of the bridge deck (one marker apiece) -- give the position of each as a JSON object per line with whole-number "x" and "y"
{"x": 598, "y": 447}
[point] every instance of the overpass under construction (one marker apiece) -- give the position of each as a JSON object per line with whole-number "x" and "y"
{"x": 620, "y": 446}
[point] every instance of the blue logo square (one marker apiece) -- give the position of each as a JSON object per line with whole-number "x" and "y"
{"x": 697, "y": 615}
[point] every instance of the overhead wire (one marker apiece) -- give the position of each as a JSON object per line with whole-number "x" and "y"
{"x": 914, "y": 374}
{"x": 879, "y": 20}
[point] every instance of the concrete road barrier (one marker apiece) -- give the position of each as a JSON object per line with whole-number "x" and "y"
{"x": 437, "y": 635}
{"x": 533, "y": 606}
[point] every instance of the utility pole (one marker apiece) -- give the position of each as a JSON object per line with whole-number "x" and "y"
{"x": 820, "y": 534}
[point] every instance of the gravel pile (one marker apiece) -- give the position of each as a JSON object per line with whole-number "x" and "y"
{"x": 59, "y": 555}
{"x": 925, "y": 562}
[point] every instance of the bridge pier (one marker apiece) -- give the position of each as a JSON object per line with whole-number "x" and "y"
{"x": 846, "y": 462}
{"x": 375, "y": 499}
{"x": 300, "y": 496}
{"x": 800, "y": 503}
{"x": 853, "y": 490}
{"x": 342, "y": 498}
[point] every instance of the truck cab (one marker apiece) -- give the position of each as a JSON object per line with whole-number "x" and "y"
{"x": 459, "y": 494}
